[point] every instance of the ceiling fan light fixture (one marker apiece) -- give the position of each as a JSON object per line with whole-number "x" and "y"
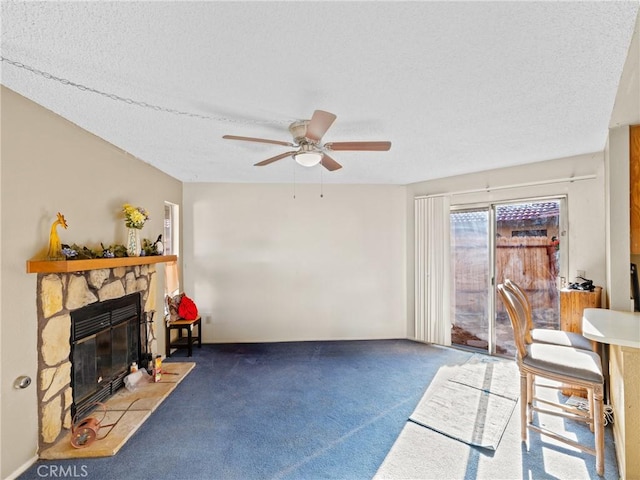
{"x": 308, "y": 159}
{"x": 307, "y": 137}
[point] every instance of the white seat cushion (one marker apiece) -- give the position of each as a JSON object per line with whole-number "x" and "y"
{"x": 566, "y": 361}
{"x": 559, "y": 337}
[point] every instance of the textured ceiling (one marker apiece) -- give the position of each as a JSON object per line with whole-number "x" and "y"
{"x": 457, "y": 87}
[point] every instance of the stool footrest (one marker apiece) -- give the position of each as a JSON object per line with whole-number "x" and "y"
{"x": 183, "y": 342}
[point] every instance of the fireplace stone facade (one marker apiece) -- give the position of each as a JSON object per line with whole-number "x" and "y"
{"x": 58, "y": 295}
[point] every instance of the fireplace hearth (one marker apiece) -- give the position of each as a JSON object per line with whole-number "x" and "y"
{"x": 105, "y": 341}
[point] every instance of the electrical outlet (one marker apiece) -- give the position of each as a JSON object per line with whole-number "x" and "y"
{"x": 580, "y": 273}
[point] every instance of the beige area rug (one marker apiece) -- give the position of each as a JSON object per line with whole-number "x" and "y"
{"x": 495, "y": 375}
{"x": 474, "y": 404}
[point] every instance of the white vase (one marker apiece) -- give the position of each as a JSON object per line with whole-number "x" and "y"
{"x": 133, "y": 242}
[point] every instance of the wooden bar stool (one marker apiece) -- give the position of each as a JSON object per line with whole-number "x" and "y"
{"x": 182, "y": 341}
{"x": 582, "y": 368}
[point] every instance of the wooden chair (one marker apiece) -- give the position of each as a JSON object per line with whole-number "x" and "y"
{"x": 546, "y": 335}
{"x": 562, "y": 364}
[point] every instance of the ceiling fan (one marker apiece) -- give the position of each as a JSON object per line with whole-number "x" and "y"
{"x": 307, "y": 139}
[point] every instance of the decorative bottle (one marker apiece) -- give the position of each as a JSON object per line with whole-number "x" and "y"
{"x": 157, "y": 371}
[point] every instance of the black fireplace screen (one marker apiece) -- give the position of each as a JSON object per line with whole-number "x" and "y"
{"x": 105, "y": 340}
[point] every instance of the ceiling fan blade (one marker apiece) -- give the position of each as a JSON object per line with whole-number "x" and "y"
{"x": 319, "y": 124}
{"x": 359, "y": 146}
{"x": 274, "y": 159}
{"x": 329, "y": 163}
{"x": 259, "y": 140}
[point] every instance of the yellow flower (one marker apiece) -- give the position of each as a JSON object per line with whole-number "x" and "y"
{"x": 134, "y": 216}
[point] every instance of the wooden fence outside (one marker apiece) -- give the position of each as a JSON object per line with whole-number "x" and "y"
{"x": 528, "y": 261}
{"x": 531, "y": 262}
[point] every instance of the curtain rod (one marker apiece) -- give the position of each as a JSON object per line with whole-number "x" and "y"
{"x": 516, "y": 185}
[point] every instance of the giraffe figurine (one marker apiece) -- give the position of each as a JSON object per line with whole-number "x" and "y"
{"x": 55, "y": 247}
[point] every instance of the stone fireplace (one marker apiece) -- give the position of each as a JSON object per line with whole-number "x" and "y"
{"x": 58, "y": 295}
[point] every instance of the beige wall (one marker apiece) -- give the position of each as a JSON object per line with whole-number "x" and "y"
{"x": 264, "y": 266}
{"x": 1, "y": 283}
{"x": 623, "y": 361}
{"x": 51, "y": 165}
{"x": 617, "y": 218}
{"x": 626, "y": 112}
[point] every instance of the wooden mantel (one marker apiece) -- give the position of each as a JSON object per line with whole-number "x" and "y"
{"x": 66, "y": 266}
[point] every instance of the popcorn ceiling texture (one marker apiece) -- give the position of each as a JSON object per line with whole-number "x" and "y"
{"x": 58, "y": 296}
{"x": 457, "y": 87}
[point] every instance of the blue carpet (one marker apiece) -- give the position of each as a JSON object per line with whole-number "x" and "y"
{"x": 299, "y": 410}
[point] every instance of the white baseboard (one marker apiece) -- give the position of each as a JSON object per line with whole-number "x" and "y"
{"x": 22, "y": 468}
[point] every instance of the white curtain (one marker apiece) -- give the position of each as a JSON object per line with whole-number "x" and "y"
{"x": 171, "y": 280}
{"x": 432, "y": 270}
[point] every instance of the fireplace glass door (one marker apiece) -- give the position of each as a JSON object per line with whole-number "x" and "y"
{"x": 106, "y": 342}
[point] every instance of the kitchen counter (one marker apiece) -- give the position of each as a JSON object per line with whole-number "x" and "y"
{"x": 612, "y": 327}
{"x": 621, "y": 331}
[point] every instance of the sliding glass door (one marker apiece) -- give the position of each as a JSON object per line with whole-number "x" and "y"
{"x": 527, "y": 251}
{"x": 520, "y": 241}
{"x": 471, "y": 274}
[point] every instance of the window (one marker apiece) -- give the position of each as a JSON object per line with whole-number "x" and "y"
{"x": 171, "y": 247}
